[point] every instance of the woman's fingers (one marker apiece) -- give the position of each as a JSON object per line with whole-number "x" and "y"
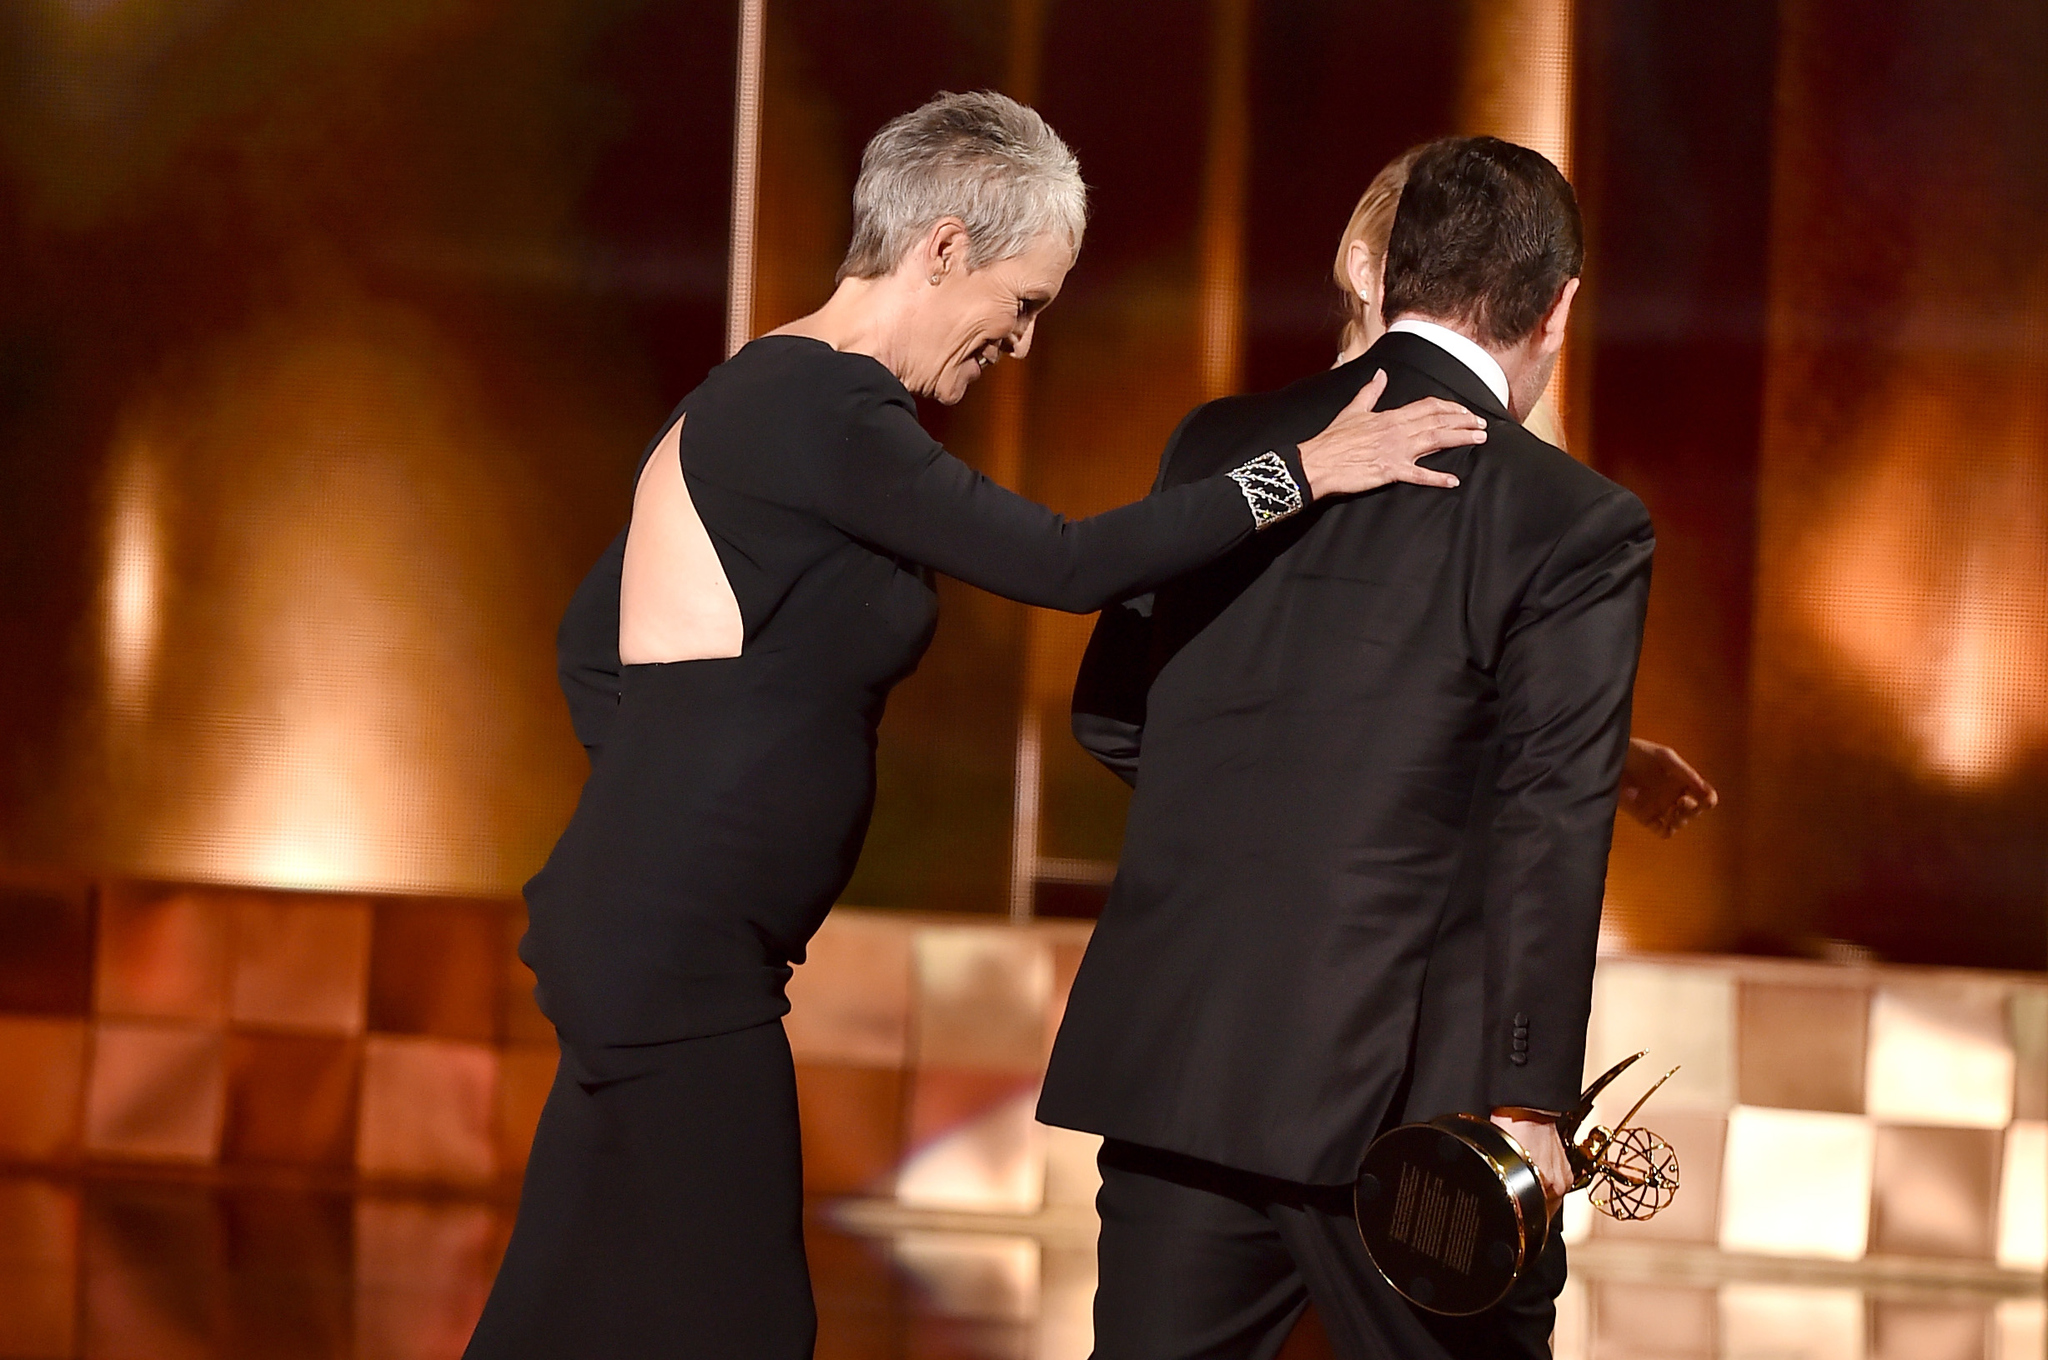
{"x": 1363, "y": 448}
{"x": 1418, "y": 475}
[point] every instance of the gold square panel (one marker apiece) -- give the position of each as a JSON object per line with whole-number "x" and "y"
{"x": 1902, "y": 1330}
{"x": 1797, "y": 1183}
{"x": 1802, "y": 1048}
{"x": 982, "y": 998}
{"x": 162, "y": 953}
{"x": 1781, "y": 1322}
{"x": 283, "y": 1285}
{"x": 1635, "y": 1319}
{"x": 1940, "y": 1054}
{"x": 422, "y": 1271}
{"x": 300, "y": 962}
{"x": 156, "y": 1092}
{"x": 436, "y": 965}
{"x": 292, "y": 1099}
{"x": 984, "y": 1276}
{"x": 1935, "y": 1192}
{"x": 850, "y": 1001}
{"x": 42, "y": 1081}
{"x": 45, "y": 948}
{"x": 1682, "y": 1015}
{"x": 428, "y": 1110}
{"x": 38, "y": 1267}
{"x": 852, "y": 1127}
{"x": 152, "y": 1277}
{"x": 38, "y": 1311}
{"x": 526, "y": 1073}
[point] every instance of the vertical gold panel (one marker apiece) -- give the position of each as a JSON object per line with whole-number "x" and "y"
{"x": 1223, "y": 199}
{"x": 1518, "y": 85}
{"x": 1518, "y": 75}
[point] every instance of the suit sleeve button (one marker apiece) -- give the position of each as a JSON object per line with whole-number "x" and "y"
{"x": 1519, "y": 1059}
{"x": 1521, "y": 1044}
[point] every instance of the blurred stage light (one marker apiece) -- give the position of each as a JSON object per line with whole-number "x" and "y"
{"x": 2021, "y": 1329}
{"x": 1797, "y": 1183}
{"x": 992, "y": 1163}
{"x": 133, "y": 586}
{"x": 2023, "y": 1198}
{"x": 1927, "y": 576}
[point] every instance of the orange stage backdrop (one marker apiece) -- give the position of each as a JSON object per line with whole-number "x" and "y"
{"x": 328, "y": 338}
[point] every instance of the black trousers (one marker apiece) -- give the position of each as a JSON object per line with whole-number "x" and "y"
{"x": 1202, "y": 1262}
{"x": 662, "y": 1213}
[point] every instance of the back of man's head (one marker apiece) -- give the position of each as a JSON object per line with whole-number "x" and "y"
{"x": 1486, "y": 237}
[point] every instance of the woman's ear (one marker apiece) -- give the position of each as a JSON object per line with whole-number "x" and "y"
{"x": 1364, "y": 269}
{"x": 944, "y": 249}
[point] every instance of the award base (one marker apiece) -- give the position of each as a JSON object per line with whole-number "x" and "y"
{"x": 1451, "y": 1212}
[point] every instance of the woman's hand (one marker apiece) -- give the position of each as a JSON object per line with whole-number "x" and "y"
{"x": 1363, "y": 448}
{"x": 1660, "y": 790}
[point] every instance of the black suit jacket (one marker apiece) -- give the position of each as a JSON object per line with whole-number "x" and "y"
{"x": 1375, "y": 753}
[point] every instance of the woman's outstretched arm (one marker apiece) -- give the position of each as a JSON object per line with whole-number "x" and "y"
{"x": 890, "y": 484}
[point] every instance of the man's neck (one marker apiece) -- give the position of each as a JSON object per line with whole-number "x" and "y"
{"x": 1496, "y": 368}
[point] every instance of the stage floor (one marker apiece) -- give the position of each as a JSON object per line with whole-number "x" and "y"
{"x": 141, "y": 1268}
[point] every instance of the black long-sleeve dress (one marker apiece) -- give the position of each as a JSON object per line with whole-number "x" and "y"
{"x": 725, "y": 809}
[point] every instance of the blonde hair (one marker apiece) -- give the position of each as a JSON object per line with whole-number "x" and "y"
{"x": 981, "y": 157}
{"x": 1372, "y": 222}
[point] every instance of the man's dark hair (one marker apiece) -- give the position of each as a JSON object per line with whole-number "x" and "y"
{"x": 1487, "y": 234}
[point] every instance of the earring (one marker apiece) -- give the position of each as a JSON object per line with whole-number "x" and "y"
{"x": 1364, "y": 296}
{"x": 935, "y": 280}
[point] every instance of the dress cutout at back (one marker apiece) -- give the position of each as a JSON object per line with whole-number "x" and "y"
{"x": 675, "y": 603}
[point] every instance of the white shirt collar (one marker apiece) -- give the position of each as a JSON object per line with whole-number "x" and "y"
{"x": 1464, "y": 351}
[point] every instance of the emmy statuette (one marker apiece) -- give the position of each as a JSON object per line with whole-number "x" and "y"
{"x": 1452, "y": 1211}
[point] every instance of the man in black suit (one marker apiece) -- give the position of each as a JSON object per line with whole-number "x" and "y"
{"x": 1375, "y": 755}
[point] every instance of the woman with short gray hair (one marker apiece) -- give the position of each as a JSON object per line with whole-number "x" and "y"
{"x": 726, "y": 664}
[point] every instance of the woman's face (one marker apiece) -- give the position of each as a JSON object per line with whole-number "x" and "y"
{"x": 973, "y": 317}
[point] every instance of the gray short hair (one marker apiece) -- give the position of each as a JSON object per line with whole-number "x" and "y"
{"x": 983, "y": 158}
